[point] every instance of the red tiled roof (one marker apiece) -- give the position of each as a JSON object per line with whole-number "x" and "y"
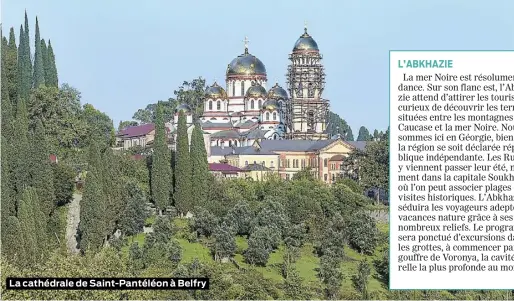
{"x": 136, "y": 131}
{"x": 223, "y": 167}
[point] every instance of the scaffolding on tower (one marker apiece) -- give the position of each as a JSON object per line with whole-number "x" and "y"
{"x": 306, "y": 107}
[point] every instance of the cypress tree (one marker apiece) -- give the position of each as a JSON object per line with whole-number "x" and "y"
{"x": 92, "y": 208}
{"x": 113, "y": 187}
{"x": 11, "y": 65}
{"x": 161, "y": 167}
{"x": 200, "y": 167}
{"x": 28, "y": 234}
{"x": 42, "y": 171}
{"x": 6, "y": 99}
{"x": 39, "y": 68}
{"x": 12, "y": 244}
{"x": 52, "y": 77}
{"x": 21, "y": 158}
{"x": 24, "y": 62}
{"x": 8, "y": 205}
{"x": 182, "y": 168}
{"x": 44, "y": 54}
{"x": 21, "y": 63}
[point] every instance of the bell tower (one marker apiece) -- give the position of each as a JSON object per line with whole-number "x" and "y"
{"x": 305, "y": 84}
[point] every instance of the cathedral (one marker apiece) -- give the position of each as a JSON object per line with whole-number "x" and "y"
{"x": 245, "y": 110}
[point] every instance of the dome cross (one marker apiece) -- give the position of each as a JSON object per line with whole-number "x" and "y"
{"x": 246, "y": 44}
{"x": 305, "y": 26}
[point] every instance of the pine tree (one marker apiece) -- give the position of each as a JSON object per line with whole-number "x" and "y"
{"x": 39, "y": 68}
{"x": 183, "y": 186}
{"x": 11, "y": 65}
{"x": 44, "y": 54}
{"x": 161, "y": 167}
{"x": 200, "y": 168}
{"x": 52, "y": 79}
{"x": 21, "y": 158}
{"x": 42, "y": 171}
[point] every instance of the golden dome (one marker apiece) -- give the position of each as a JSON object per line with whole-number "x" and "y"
{"x": 215, "y": 92}
{"x": 246, "y": 64}
{"x": 277, "y": 92}
{"x": 271, "y": 105}
{"x": 256, "y": 91}
{"x": 305, "y": 43}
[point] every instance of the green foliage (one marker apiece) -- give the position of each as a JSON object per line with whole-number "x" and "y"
{"x": 338, "y": 126}
{"x": 272, "y": 215}
{"x": 204, "y": 222}
{"x": 12, "y": 245}
{"x": 330, "y": 275}
{"x": 39, "y": 68}
{"x": 333, "y": 239}
{"x": 41, "y": 170}
{"x": 294, "y": 236}
{"x": 51, "y": 75}
{"x": 374, "y": 165}
{"x": 25, "y": 76}
{"x": 64, "y": 183}
{"x": 183, "y": 188}
{"x": 11, "y": 67}
{"x": 364, "y": 134}
{"x": 382, "y": 265}
{"x": 225, "y": 243}
{"x": 127, "y": 123}
{"x": 21, "y": 164}
{"x": 200, "y": 168}
{"x": 293, "y": 286}
{"x": 92, "y": 208}
{"x": 32, "y": 228}
{"x": 259, "y": 246}
{"x": 162, "y": 230}
{"x": 161, "y": 174}
{"x": 363, "y": 232}
{"x": 134, "y": 214}
{"x": 100, "y": 126}
{"x": 352, "y": 184}
{"x": 240, "y": 218}
{"x": 360, "y": 280}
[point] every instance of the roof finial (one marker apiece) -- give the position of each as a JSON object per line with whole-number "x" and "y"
{"x": 215, "y": 81}
{"x": 305, "y": 26}
{"x": 246, "y": 44}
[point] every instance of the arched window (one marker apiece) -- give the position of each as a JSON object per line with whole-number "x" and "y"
{"x": 274, "y": 115}
{"x": 252, "y": 104}
{"x": 218, "y": 105}
{"x": 325, "y": 163}
{"x": 242, "y": 88}
{"x": 230, "y": 143}
{"x": 233, "y": 89}
{"x": 210, "y": 105}
{"x": 260, "y": 104}
{"x": 267, "y": 115}
{"x": 235, "y": 142}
